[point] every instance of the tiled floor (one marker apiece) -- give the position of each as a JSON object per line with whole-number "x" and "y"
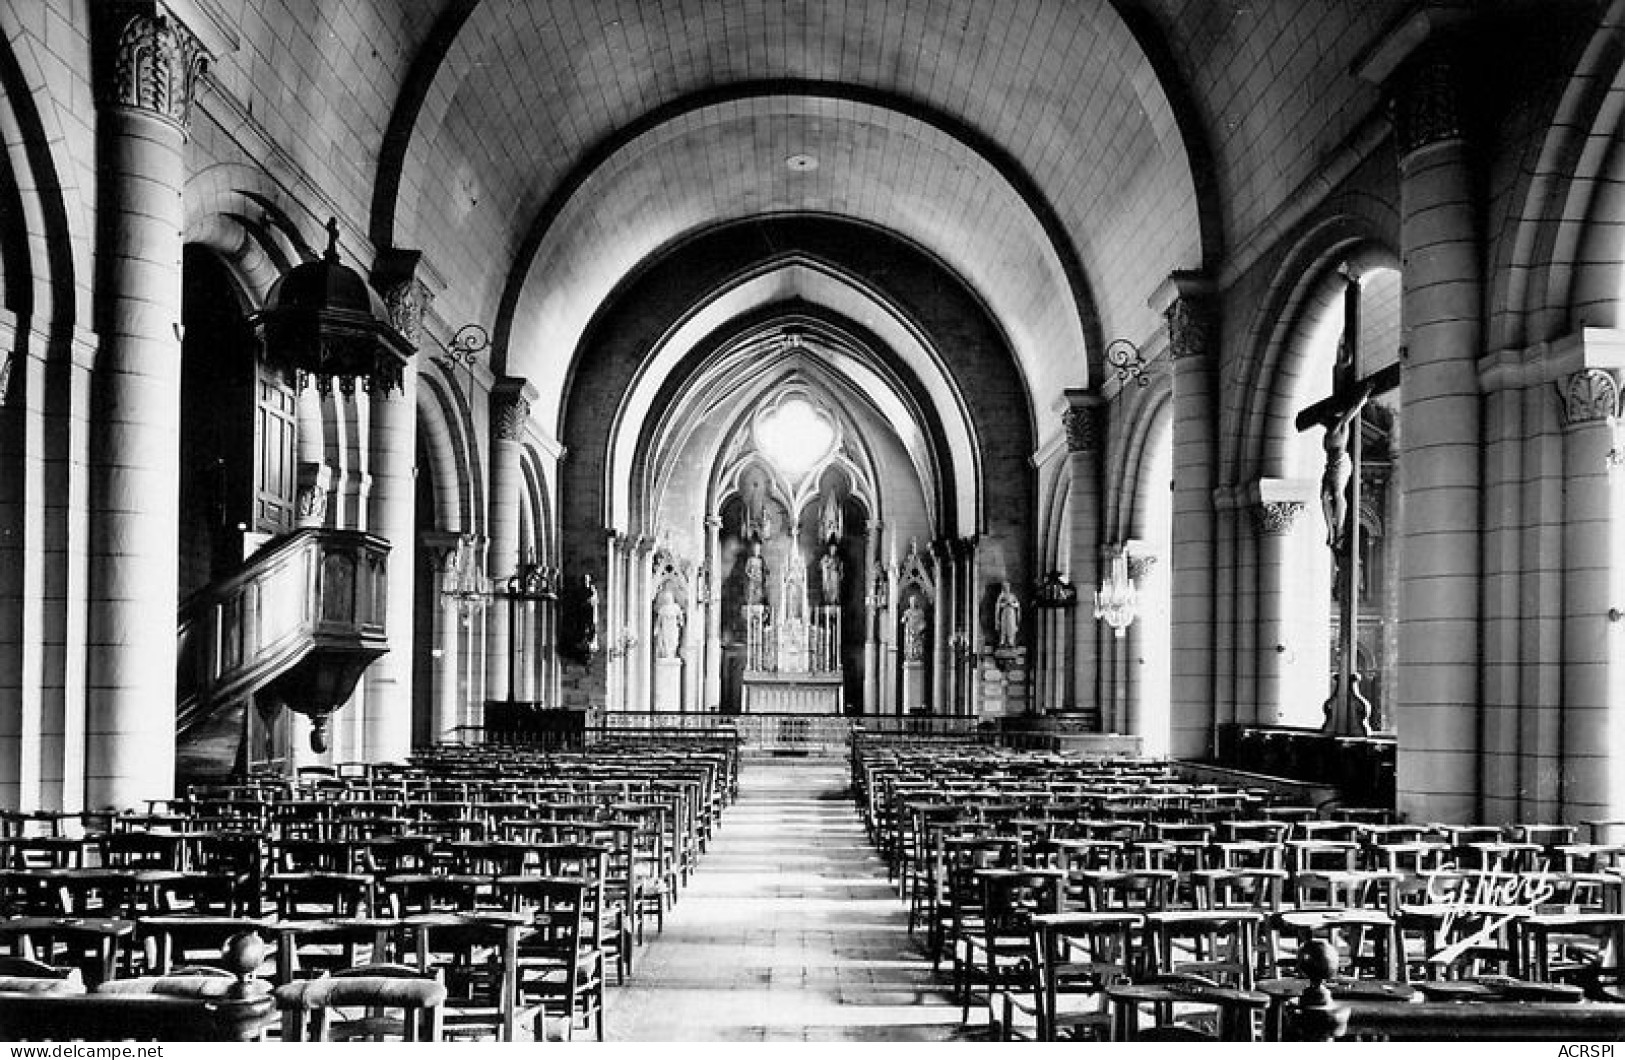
{"x": 789, "y": 931}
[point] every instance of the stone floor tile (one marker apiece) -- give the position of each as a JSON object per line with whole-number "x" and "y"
{"x": 788, "y": 932}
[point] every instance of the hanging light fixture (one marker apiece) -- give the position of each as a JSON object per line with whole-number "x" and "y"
{"x": 323, "y": 323}
{"x": 1116, "y": 601}
{"x": 469, "y": 588}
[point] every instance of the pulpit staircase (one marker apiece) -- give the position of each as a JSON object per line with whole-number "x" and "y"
{"x": 295, "y": 626}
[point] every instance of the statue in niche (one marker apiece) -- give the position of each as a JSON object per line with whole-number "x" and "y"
{"x": 831, "y": 524}
{"x": 755, "y": 576}
{"x": 914, "y": 631}
{"x": 793, "y": 598}
{"x": 1007, "y": 617}
{"x": 829, "y": 570}
{"x": 668, "y": 626}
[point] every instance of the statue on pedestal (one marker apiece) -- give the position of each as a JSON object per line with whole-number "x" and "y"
{"x": 668, "y": 625}
{"x": 914, "y": 623}
{"x": 755, "y": 576}
{"x": 1007, "y": 617}
{"x": 829, "y": 569}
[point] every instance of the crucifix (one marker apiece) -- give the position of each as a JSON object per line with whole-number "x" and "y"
{"x": 1347, "y": 711}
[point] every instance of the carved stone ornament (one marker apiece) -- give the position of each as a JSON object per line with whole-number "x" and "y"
{"x": 1426, "y": 104}
{"x": 312, "y": 504}
{"x": 440, "y": 550}
{"x": 1590, "y": 395}
{"x": 511, "y": 413}
{"x": 1140, "y": 567}
{"x": 156, "y": 66}
{"x": 1190, "y": 327}
{"x": 1082, "y": 424}
{"x": 1276, "y": 518}
{"x": 407, "y": 302}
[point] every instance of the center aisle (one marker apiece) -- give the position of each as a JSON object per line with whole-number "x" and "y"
{"x": 789, "y": 931}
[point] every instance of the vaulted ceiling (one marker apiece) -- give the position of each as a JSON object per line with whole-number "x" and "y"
{"x": 1061, "y": 157}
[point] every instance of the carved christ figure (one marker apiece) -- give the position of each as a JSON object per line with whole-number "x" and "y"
{"x": 1334, "y": 481}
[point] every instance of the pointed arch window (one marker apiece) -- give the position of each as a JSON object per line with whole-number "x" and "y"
{"x": 796, "y": 436}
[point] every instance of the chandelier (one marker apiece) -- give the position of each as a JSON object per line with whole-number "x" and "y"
{"x": 1116, "y": 600}
{"x": 468, "y": 586}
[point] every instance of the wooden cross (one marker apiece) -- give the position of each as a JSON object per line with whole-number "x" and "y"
{"x": 1347, "y": 710}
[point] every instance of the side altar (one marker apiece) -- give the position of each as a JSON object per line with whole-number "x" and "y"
{"x": 793, "y": 659}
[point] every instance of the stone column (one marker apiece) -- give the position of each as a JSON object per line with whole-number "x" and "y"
{"x": 639, "y": 620}
{"x": 1085, "y": 423}
{"x": 510, "y": 411}
{"x": 1441, "y": 308}
{"x": 392, "y": 452}
{"x": 713, "y": 615}
{"x": 1192, "y": 341}
{"x": 147, "y": 65}
{"x": 1592, "y": 771}
{"x": 872, "y": 616}
{"x": 440, "y": 549}
{"x": 613, "y": 622}
{"x": 942, "y": 617}
{"x": 1273, "y": 520}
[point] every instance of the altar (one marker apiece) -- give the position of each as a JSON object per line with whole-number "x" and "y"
{"x": 793, "y": 663}
{"x": 767, "y": 692}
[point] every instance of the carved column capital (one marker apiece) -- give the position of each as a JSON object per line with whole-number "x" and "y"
{"x": 1084, "y": 425}
{"x": 407, "y": 298}
{"x": 1276, "y": 518}
{"x": 510, "y": 409}
{"x": 1192, "y": 321}
{"x": 150, "y": 61}
{"x": 440, "y": 550}
{"x": 1424, "y": 102}
{"x": 1590, "y": 395}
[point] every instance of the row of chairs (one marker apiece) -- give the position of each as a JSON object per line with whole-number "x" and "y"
{"x": 507, "y": 909}
{"x": 1003, "y": 858}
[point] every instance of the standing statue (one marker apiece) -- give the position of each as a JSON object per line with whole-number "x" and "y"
{"x": 1334, "y": 481}
{"x": 668, "y": 625}
{"x": 755, "y": 576}
{"x": 589, "y": 614}
{"x": 1008, "y": 617}
{"x": 829, "y": 569}
{"x": 914, "y": 631}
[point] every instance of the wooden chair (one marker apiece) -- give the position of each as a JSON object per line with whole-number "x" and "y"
{"x": 996, "y": 959}
{"x": 560, "y": 957}
{"x": 314, "y": 1010}
{"x": 1075, "y": 957}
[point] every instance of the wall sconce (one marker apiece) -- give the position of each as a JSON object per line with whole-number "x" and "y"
{"x": 1116, "y": 600}
{"x": 1125, "y": 359}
